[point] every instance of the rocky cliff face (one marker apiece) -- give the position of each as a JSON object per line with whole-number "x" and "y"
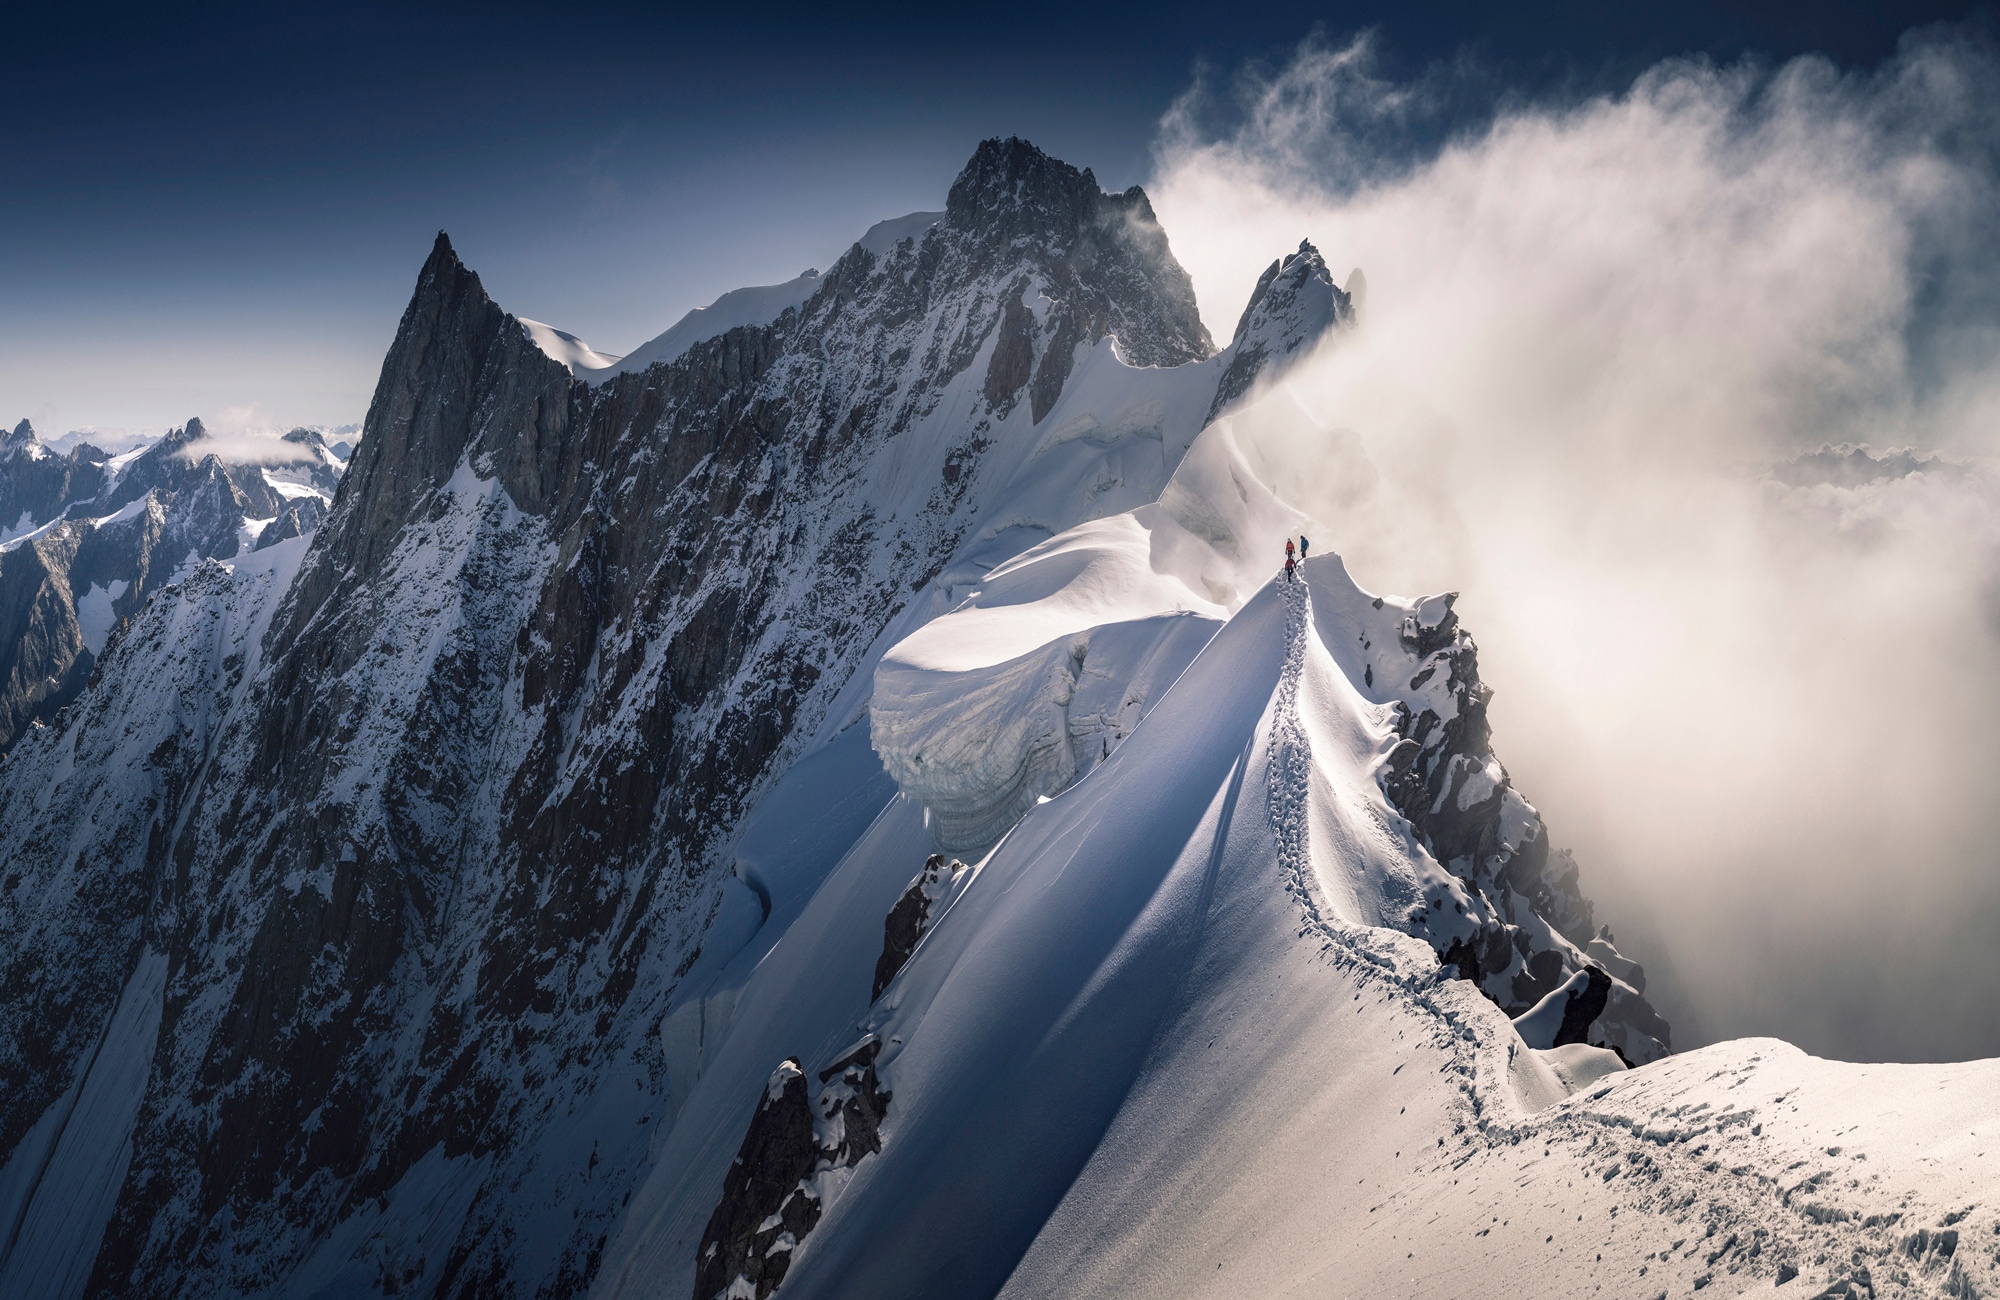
{"x": 423, "y": 860}
{"x": 1535, "y": 929}
{"x": 1294, "y": 303}
{"x": 36, "y": 484}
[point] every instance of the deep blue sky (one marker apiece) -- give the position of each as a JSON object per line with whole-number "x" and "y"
{"x": 204, "y": 211}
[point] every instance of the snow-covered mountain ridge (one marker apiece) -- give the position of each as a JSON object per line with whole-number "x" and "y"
{"x": 845, "y": 808}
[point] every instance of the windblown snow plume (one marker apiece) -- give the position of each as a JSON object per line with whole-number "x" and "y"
{"x": 1599, "y": 337}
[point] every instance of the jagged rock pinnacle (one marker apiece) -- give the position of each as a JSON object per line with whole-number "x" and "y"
{"x": 1294, "y": 303}
{"x": 1104, "y": 257}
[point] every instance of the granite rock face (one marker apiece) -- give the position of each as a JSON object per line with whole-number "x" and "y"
{"x": 1294, "y": 305}
{"x": 1444, "y": 778}
{"x": 912, "y": 916}
{"x": 425, "y": 851}
{"x": 775, "y": 1192}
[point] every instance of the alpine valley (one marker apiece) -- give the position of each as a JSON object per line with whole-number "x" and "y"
{"x": 843, "y": 802}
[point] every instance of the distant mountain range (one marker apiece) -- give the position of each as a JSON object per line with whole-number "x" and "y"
{"x": 88, "y": 536}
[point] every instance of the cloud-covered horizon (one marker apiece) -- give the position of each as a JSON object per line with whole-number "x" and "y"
{"x": 1761, "y": 710}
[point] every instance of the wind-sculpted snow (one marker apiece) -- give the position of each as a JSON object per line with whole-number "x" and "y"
{"x": 1185, "y": 1033}
{"x": 499, "y": 894}
{"x": 1033, "y": 679}
{"x": 1045, "y": 663}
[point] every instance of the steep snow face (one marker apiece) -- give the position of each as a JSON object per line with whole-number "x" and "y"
{"x": 1045, "y": 663}
{"x": 994, "y": 706}
{"x": 1184, "y": 1032}
{"x": 758, "y": 305}
{"x": 92, "y": 805}
{"x": 885, "y": 235}
{"x": 470, "y": 825}
{"x": 578, "y": 357}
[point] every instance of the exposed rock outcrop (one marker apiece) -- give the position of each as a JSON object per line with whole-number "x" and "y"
{"x": 1443, "y": 777}
{"x": 775, "y": 1192}
{"x": 1293, "y": 306}
{"x": 1583, "y": 1008}
{"x": 911, "y": 917}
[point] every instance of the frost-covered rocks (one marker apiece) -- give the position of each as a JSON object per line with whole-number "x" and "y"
{"x": 1565, "y": 1015}
{"x": 1443, "y": 777}
{"x": 1294, "y": 304}
{"x": 911, "y": 916}
{"x": 792, "y": 1163}
{"x": 767, "y": 1203}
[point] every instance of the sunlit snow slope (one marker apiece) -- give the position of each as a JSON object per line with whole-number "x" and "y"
{"x": 1185, "y": 1030}
{"x": 851, "y": 808}
{"x": 1177, "y": 1036}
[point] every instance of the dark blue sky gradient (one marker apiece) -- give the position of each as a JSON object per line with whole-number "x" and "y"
{"x": 200, "y": 212}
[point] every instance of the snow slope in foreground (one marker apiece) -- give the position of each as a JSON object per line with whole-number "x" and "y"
{"x": 1184, "y": 1030}
{"x": 1173, "y": 1037}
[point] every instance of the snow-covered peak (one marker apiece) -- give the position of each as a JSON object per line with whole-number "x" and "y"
{"x": 885, "y": 235}
{"x": 1294, "y": 296}
{"x": 1294, "y": 303}
{"x": 21, "y": 440}
{"x": 755, "y": 305}
{"x": 1010, "y": 189}
{"x": 1014, "y": 202}
{"x": 582, "y": 359}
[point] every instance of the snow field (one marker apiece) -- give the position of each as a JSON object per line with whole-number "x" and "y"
{"x": 1172, "y": 1041}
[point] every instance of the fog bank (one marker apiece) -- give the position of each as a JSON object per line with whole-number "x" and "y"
{"x": 1757, "y": 698}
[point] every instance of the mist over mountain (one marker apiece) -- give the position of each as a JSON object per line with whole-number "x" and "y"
{"x": 914, "y": 781}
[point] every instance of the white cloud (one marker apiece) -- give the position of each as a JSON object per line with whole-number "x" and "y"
{"x": 1765, "y": 715}
{"x": 246, "y": 435}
